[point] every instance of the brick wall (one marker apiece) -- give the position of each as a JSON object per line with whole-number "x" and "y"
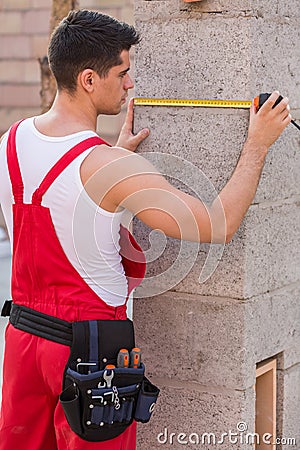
{"x": 24, "y": 30}
{"x": 24, "y": 26}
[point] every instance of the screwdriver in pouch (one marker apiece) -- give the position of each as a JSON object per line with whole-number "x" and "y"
{"x": 135, "y": 358}
{"x": 260, "y": 100}
{"x": 123, "y": 358}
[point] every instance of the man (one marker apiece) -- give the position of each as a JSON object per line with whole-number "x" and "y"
{"x": 66, "y": 223}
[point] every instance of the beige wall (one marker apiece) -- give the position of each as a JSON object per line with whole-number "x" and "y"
{"x": 202, "y": 341}
{"x": 24, "y": 28}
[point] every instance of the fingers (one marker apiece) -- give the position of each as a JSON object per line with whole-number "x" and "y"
{"x": 267, "y": 105}
{"x": 283, "y": 105}
{"x": 267, "y": 124}
{"x": 281, "y": 110}
{"x": 130, "y": 141}
{"x": 285, "y": 112}
{"x": 127, "y": 139}
{"x": 253, "y": 110}
{"x": 129, "y": 115}
{"x": 270, "y": 102}
{"x": 286, "y": 119}
{"x": 143, "y": 134}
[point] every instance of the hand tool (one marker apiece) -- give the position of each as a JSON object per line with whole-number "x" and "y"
{"x": 82, "y": 364}
{"x": 116, "y": 398}
{"x": 260, "y": 100}
{"x": 101, "y": 385}
{"x": 108, "y": 377}
{"x": 123, "y": 358}
{"x": 109, "y": 396}
{"x": 135, "y": 357}
{"x": 240, "y": 104}
{"x": 99, "y": 397}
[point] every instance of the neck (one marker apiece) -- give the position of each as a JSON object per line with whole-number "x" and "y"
{"x": 68, "y": 115}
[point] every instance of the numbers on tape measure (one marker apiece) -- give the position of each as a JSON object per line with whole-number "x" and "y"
{"x": 241, "y": 104}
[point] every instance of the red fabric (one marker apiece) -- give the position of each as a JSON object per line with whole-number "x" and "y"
{"x": 133, "y": 259}
{"x": 44, "y": 279}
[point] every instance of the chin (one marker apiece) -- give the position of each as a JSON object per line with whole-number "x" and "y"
{"x": 111, "y": 112}
{"x": 117, "y": 111}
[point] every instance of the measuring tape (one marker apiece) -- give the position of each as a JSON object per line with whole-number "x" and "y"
{"x": 241, "y": 104}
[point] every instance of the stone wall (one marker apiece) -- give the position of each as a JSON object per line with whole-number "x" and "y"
{"x": 203, "y": 340}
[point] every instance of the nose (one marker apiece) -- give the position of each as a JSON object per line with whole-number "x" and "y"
{"x": 128, "y": 83}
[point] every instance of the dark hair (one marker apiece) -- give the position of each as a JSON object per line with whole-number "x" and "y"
{"x": 87, "y": 39}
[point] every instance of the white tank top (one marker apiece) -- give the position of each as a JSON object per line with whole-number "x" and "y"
{"x": 89, "y": 235}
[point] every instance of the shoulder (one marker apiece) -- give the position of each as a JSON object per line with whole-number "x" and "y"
{"x": 115, "y": 160}
{"x": 105, "y": 153}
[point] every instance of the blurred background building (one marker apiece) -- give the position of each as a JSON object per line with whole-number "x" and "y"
{"x": 24, "y": 34}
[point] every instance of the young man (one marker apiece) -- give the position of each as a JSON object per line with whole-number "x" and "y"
{"x": 66, "y": 225}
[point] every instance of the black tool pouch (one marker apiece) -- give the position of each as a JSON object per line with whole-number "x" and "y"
{"x": 99, "y": 402}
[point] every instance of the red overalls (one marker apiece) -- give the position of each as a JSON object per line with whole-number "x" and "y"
{"x": 44, "y": 279}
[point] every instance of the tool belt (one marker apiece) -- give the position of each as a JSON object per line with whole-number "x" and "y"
{"x": 99, "y": 402}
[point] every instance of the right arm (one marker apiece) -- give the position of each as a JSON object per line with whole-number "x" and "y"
{"x": 265, "y": 127}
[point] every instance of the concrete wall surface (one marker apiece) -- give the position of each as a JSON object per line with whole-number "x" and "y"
{"x": 202, "y": 341}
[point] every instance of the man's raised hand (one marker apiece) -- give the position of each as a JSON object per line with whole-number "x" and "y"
{"x": 127, "y": 139}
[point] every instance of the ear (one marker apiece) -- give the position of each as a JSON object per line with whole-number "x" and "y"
{"x": 86, "y": 79}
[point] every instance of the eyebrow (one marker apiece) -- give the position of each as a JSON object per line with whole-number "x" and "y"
{"x": 124, "y": 71}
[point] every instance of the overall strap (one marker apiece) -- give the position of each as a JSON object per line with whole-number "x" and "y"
{"x": 13, "y": 165}
{"x": 61, "y": 164}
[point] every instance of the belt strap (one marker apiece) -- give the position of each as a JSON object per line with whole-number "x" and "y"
{"x": 39, "y": 324}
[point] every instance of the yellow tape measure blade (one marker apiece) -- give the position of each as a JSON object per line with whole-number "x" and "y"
{"x": 145, "y": 101}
